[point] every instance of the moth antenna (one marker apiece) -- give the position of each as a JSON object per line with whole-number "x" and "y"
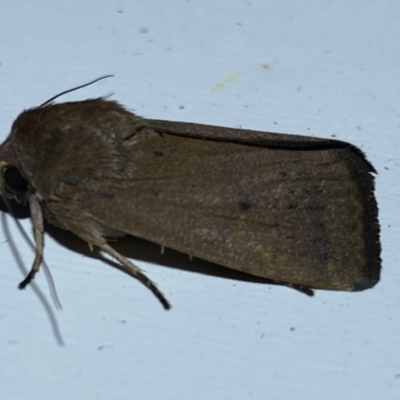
{"x": 73, "y": 89}
{"x": 47, "y": 273}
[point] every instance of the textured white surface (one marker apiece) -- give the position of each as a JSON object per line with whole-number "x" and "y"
{"x": 312, "y": 67}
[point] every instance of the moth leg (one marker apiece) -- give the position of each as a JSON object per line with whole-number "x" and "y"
{"x": 134, "y": 271}
{"x": 37, "y": 221}
{"x": 300, "y": 288}
{"x": 91, "y": 231}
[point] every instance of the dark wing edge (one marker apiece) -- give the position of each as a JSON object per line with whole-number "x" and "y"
{"x": 253, "y": 138}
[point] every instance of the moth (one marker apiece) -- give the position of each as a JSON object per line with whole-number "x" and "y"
{"x": 295, "y": 210}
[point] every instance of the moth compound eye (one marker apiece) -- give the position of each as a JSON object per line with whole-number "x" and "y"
{"x": 15, "y": 185}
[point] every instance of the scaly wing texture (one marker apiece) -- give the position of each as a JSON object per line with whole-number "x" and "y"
{"x": 305, "y": 217}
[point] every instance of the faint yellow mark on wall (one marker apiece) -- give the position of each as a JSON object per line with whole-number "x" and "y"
{"x": 265, "y": 66}
{"x": 221, "y": 84}
{"x": 144, "y": 30}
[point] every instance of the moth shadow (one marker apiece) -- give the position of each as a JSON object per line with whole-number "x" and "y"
{"x": 22, "y": 212}
{"x": 19, "y": 211}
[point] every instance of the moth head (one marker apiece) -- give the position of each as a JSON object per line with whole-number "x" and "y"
{"x": 12, "y": 184}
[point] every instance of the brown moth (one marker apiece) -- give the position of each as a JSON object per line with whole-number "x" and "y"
{"x": 295, "y": 210}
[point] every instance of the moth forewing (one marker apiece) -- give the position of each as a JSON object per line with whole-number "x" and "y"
{"x": 303, "y": 214}
{"x": 295, "y": 210}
